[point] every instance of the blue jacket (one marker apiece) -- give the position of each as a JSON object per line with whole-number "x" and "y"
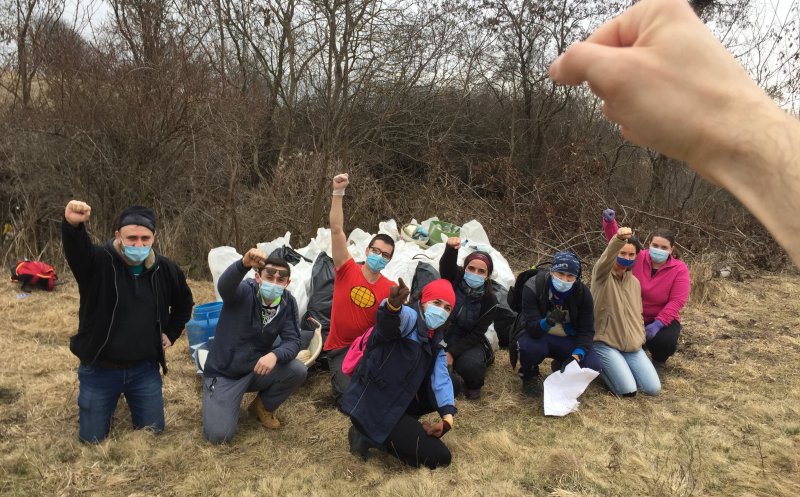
{"x": 399, "y": 357}
{"x": 241, "y": 340}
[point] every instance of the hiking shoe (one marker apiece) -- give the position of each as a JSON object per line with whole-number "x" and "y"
{"x": 360, "y": 444}
{"x": 532, "y": 387}
{"x": 267, "y": 418}
{"x": 472, "y": 393}
{"x": 661, "y": 367}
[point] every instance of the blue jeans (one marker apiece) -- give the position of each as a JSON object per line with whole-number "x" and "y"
{"x": 100, "y": 388}
{"x": 532, "y": 351}
{"x": 625, "y": 372}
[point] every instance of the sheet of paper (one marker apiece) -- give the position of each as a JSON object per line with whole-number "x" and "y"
{"x": 561, "y": 390}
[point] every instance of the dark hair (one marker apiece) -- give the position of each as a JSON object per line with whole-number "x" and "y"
{"x": 385, "y": 239}
{"x": 637, "y": 245}
{"x": 277, "y": 262}
{"x": 664, "y": 233}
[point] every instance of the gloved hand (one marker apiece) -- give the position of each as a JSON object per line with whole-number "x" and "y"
{"x": 398, "y": 294}
{"x": 567, "y": 361}
{"x": 609, "y": 215}
{"x": 555, "y": 316}
{"x": 651, "y": 329}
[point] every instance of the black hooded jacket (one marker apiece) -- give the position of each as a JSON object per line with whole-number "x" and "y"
{"x": 100, "y": 272}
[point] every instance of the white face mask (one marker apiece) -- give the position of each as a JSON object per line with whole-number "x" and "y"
{"x": 658, "y": 255}
{"x": 560, "y": 285}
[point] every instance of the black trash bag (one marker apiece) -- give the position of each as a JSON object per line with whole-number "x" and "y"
{"x": 424, "y": 274}
{"x": 504, "y": 317}
{"x": 288, "y": 254}
{"x": 320, "y": 296}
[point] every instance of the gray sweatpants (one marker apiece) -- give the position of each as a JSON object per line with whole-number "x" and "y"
{"x": 222, "y": 397}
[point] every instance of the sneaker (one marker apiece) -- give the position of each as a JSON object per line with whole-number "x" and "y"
{"x": 267, "y": 418}
{"x": 532, "y": 387}
{"x": 472, "y": 393}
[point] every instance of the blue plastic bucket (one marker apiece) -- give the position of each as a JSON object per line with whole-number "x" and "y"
{"x": 203, "y": 325}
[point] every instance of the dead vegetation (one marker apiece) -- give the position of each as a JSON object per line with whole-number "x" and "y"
{"x": 726, "y": 422}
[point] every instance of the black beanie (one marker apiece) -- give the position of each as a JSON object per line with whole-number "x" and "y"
{"x": 136, "y": 214}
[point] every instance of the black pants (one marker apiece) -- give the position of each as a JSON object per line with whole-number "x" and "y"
{"x": 665, "y": 343}
{"x": 409, "y": 442}
{"x": 471, "y": 366}
{"x": 339, "y": 380}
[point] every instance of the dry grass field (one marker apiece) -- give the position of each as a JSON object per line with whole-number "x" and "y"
{"x": 726, "y": 424}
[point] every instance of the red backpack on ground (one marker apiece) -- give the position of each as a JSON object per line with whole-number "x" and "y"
{"x": 37, "y": 273}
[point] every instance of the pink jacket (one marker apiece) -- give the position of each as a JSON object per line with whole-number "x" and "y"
{"x": 663, "y": 294}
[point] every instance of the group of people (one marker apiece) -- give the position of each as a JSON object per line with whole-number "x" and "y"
{"x": 423, "y": 349}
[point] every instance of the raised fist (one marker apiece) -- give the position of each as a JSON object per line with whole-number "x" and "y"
{"x": 340, "y": 182}
{"x": 77, "y": 212}
{"x": 254, "y": 259}
{"x": 398, "y": 294}
{"x": 624, "y": 233}
{"x": 454, "y": 242}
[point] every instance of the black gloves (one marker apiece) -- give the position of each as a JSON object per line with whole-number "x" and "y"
{"x": 555, "y": 316}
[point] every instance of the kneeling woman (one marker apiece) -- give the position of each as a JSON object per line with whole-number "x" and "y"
{"x": 468, "y": 350}
{"x": 401, "y": 376}
{"x": 620, "y": 331}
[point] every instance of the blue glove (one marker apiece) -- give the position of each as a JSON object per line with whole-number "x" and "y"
{"x": 651, "y": 329}
{"x": 609, "y": 215}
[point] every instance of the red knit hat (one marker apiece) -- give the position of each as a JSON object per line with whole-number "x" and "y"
{"x": 439, "y": 289}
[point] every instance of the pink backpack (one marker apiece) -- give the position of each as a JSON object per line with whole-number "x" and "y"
{"x": 354, "y": 353}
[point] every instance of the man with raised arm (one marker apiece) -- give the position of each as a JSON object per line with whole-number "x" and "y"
{"x": 358, "y": 289}
{"x": 254, "y": 350}
{"x": 134, "y": 304}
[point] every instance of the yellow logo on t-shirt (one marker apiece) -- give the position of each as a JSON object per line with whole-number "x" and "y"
{"x": 362, "y": 297}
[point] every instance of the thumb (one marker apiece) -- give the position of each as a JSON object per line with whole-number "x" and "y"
{"x": 585, "y": 61}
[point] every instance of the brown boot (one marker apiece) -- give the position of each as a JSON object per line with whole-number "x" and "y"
{"x": 267, "y": 418}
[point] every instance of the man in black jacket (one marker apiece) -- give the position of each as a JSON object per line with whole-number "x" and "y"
{"x": 558, "y": 313}
{"x": 134, "y": 304}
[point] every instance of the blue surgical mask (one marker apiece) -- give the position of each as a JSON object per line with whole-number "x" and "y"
{"x": 136, "y": 254}
{"x": 658, "y": 255}
{"x": 626, "y": 263}
{"x": 560, "y": 285}
{"x": 435, "y": 316}
{"x": 270, "y": 291}
{"x": 376, "y": 262}
{"x": 473, "y": 280}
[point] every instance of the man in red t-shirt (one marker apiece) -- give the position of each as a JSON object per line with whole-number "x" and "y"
{"x": 358, "y": 290}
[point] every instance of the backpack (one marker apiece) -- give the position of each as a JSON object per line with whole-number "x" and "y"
{"x": 514, "y": 297}
{"x": 36, "y": 273}
{"x": 355, "y": 352}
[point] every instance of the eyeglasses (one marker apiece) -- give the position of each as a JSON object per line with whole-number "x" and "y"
{"x": 377, "y": 251}
{"x": 282, "y": 275}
